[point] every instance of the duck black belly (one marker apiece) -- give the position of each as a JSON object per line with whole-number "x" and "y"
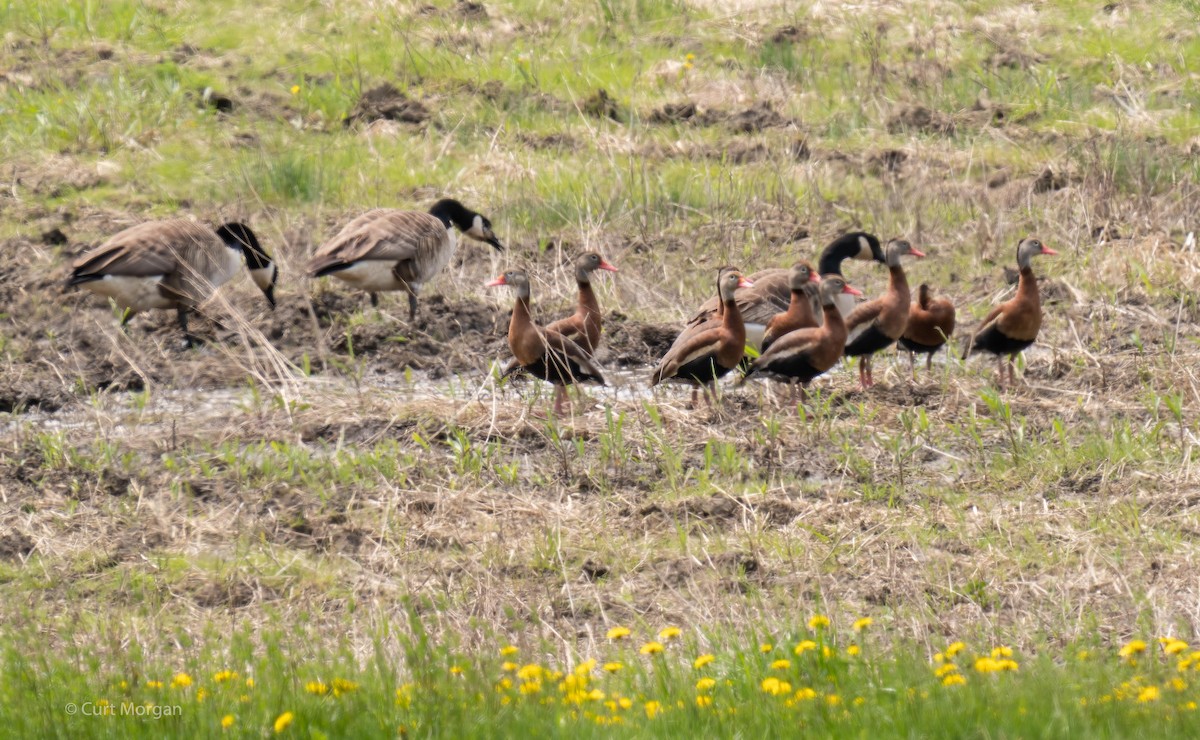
{"x": 868, "y": 342}
{"x": 998, "y": 343}
{"x": 704, "y": 369}
{"x": 558, "y": 369}
{"x": 919, "y": 348}
{"x": 795, "y": 367}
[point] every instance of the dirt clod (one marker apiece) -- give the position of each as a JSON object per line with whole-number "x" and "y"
{"x": 386, "y": 103}
{"x": 919, "y": 118}
{"x": 762, "y": 115}
{"x": 1049, "y": 181}
{"x": 602, "y": 105}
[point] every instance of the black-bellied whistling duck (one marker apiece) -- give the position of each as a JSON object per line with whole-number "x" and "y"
{"x": 1013, "y": 325}
{"x": 584, "y": 326}
{"x": 882, "y": 320}
{"x": 930, "y": 324}
{"x": 799, "y": 314}
{"x": 172, "y": 264}
{"x": 772, "y": 291}
{"x": 389, "y": 249}
{"x": 713, "y": 352}
{"x": 802, "y": 355}
{"x": 545, "y": 353}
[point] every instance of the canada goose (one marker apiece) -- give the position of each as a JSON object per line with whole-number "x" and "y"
{"x": 172, "y": 264}
{"x": 389, "y": 249}
{"x": 1013, "y": 325}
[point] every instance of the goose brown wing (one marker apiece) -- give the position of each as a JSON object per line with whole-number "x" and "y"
{"x": 153, "y": 248}
{"x": 382, "y": 234}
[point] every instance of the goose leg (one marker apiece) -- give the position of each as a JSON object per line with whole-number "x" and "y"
{"x": 695, "y": 391}
{"x": 1000, "y": 366}
{"x": 412, "y": 306}
{"x": 867, "y": 366}
{"x": 929, "y": 362}
{"x": 188, "y": 340}
{"x": 374, "y": 300}
{"x": 912, "y": 365}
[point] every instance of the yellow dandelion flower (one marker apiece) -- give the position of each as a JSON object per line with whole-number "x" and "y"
{"x": 201, "y": 694}
{"x": 343, "y": 686}
{"x": 613, "y": 667}
{"x": 703, "y": 701}
{"x": 123, "y": 685}
{"x": 1178, "y": 684}
{"x": 766, "y": 647}
{"x": 705, "y": 684}
{"x": 669, "y": 633}
{"x": 945, "y": 669}
{"x": 317, "y": 688}
{"x": 939, "y": 658}
{"x": 859, "y": 701}
{"x": 775, "y": 687}
{"x": 806, "y": 694}
{"x": 508, "y": 666}
{"x": 181, "y": 681}
{"x": 1148, "y": 694}
{"x": 227, "y": 722}
{"x": 781, "y": 665}
{"x": 585, "y": 667}
{"x": 853, "y": 650}
{"x": 1132, "y": 648}
{"x": 154, "y": 684}
{"x": 531, "y": 687}
{"x": 618, "y": 633}
{"x": 805, "y": 646}
{"x": 1190, "y": 706}
{"x": 1083, "y": 655}
{"x": 244, "y": 699}
{"x": 283, "y": 721}
{"x": 1175, "y": 647}
{"x": 1003, "y": 651}
{"x": 651, "y": 648}
{"x": 624, "y": 702}
{"x": 833, "y": 700}
{"x": 223, "y": 676}
{"x": 404, "y": 695}
{"x": 827, "y": 651}
{"x": 508, "y": 651}
{"x": 819, "y": 621}
{"x": 862, "y": 624}
{"x": 690, "y": 57}
{"x": 955, "y": 648}
{"x": 250, "y": 683}
{"x": 653, "y": 708}
{"x": 456, "y": 670}
{"x": 954, "y": 679}
{"x": 295, "y": 89}
{"x": 504, "y": 684}
{"x": 530, "y": 672}
{"x": 703, "y": 660}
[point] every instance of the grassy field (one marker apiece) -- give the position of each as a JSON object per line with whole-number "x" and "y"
{"x": 330, "y": 522}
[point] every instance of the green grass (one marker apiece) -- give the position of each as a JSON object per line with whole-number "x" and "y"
{"x": 831, "y": 681}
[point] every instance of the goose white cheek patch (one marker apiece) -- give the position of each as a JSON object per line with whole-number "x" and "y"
{"x": 477, "y": 230}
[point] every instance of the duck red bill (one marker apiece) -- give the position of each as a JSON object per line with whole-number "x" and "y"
{"x": 813, "y": 277}
{"x": 916, "y": 252}
{"x": 606, "y": 265}
{"x": 498, "y": 281}
{"x": 851, "y": 290}
{"x": 1047, "y": 250}
{"x": 744, "y": 283}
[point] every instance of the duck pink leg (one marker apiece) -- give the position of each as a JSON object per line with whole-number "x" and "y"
{"x": 560, "y": 396}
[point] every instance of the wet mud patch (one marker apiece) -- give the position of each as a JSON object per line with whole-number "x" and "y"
{"x": 634, "y": 343}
